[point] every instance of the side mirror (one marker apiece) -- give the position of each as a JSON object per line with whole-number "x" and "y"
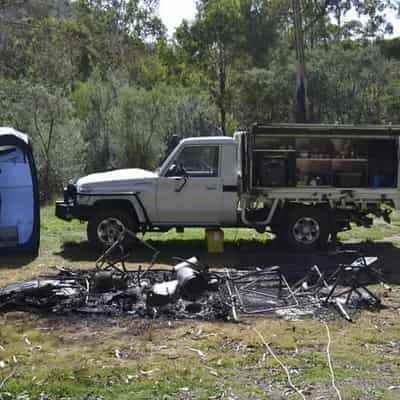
{"x": 172, "y": 171}
{"x": 176, "y": 170}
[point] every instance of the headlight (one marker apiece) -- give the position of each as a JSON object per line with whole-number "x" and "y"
{"x": 70, "y": 193}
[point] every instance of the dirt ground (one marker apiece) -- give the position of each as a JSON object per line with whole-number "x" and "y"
{"x": 80, "y": 357}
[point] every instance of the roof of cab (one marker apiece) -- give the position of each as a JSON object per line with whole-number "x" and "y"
{"x": 216, "y": 140}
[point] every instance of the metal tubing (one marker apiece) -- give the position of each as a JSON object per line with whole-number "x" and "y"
{"x": 262, "y": 223}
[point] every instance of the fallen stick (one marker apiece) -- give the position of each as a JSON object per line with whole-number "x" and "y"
{"x": 330, "y": 362}
{"x": 233, "y": 299}
{"x": 283, "y": 366}
{"x": 342, "y": 310}
{"x": 6, "y": 379}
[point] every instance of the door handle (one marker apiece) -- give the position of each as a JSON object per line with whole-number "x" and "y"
{"x": 211, "y": 187}
{"x": 182, "y": 185}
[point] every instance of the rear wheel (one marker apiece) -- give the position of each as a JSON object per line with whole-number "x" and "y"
{"x": 306, "y": 229}
{"x": 106, "y": 226}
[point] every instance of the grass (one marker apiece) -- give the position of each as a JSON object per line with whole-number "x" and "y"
{"x": 90, "y": 358}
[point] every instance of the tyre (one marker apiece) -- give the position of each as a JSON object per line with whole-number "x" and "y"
{"x": 106, "y": 226}
{"x": 306, "y": 229}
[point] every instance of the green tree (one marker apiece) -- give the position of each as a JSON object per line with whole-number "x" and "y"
{"x": 46, "y": 116}
{"x": 331, "y": 17}
{"x": 226, "y": 37}
{"x": 353, "y": 85}
{"x": 137, "y": 18}
{"x": 211, "y": 43}
{"x": 94, "y": 101}
{"x": 145, "y": 120}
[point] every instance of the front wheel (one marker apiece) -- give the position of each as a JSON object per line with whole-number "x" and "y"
{"x": 106, "y": 226}
{"x": 307, "y": 229}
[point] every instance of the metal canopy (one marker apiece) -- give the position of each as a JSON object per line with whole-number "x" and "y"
{"x": 331, "y": 130}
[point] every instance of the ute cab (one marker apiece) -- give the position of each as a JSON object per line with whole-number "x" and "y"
{"x": 198, "y": 183}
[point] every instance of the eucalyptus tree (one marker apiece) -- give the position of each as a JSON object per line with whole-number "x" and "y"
{"x": 137, "y": 18}
{"x": 227, "y": 37}
{"x": 343, "y": 19}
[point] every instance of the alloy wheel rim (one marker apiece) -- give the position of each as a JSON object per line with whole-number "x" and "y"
{"x": 306, "y": 230}
{"x": 110, "y": 230}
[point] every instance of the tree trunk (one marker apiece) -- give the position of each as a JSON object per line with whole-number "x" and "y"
{"x": 301, "y": 88}
{"x": 222, "y": 90}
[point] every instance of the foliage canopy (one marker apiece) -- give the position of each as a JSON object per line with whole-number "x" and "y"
{"x": 99, "y": 84}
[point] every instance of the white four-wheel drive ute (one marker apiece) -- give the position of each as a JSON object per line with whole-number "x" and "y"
{"x": 302, "y": 182}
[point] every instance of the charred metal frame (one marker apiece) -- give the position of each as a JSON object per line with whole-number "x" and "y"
{"x": 240, "y": 283}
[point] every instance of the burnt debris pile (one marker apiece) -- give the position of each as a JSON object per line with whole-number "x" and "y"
{"x": 191, "y": 290}
{"x": 318, "y": 294}
{"x": 187, "y": 291}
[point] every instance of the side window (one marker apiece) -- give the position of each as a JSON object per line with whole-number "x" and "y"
{"x": 197, "y": 161}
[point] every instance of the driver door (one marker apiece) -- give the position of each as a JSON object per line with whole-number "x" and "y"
{"x": 190, "y": 193}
